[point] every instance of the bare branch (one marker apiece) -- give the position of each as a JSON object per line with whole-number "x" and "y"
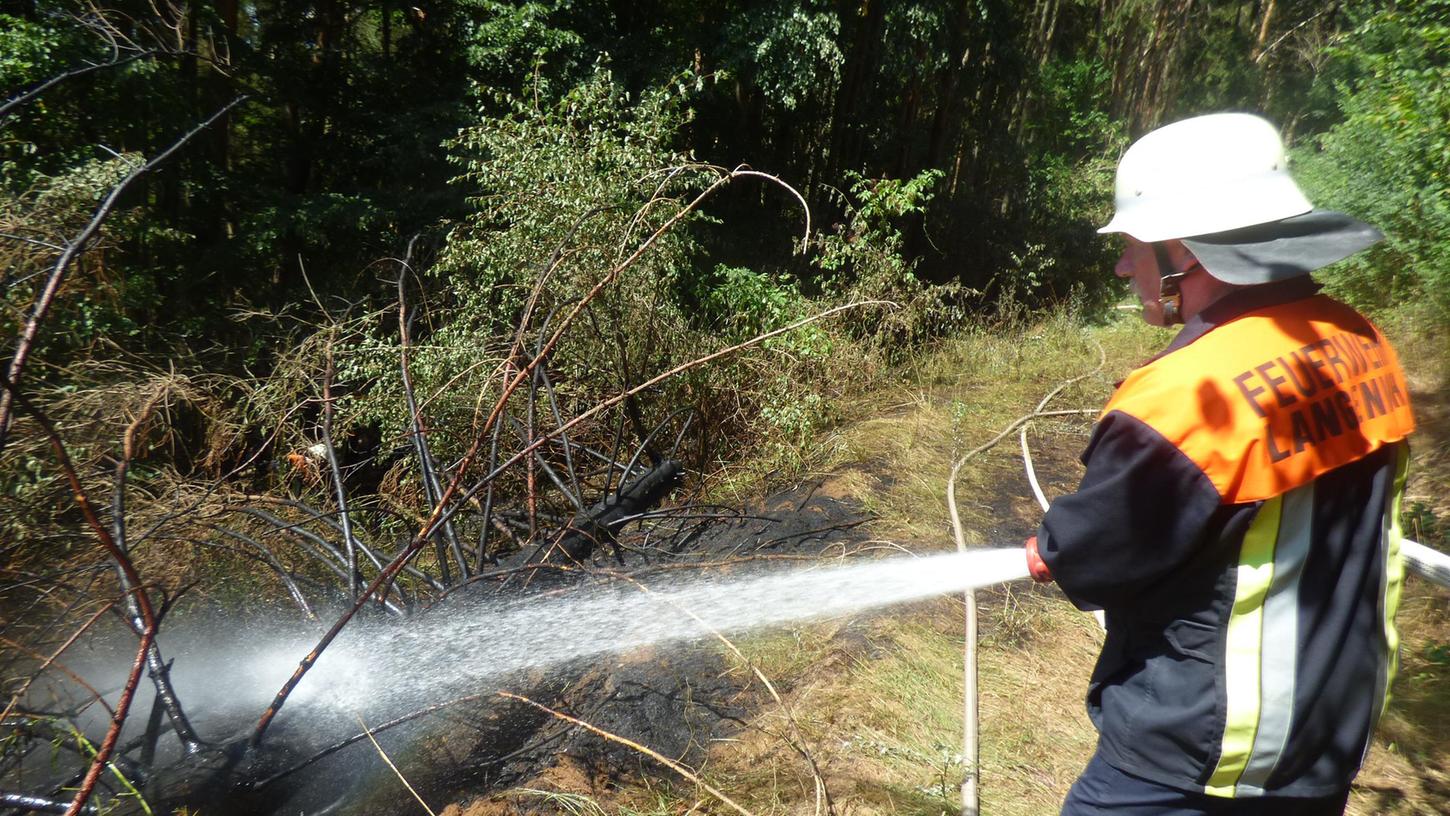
{"x": 1259, "y": 57}
{"x": 427, "y": 467}
{"x": 445, "y": 507}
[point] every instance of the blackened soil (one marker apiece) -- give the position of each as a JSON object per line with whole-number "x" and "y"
{"x": 675, "y": 700}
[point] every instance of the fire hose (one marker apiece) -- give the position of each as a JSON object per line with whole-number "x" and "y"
{"x": 1432, "y": 565}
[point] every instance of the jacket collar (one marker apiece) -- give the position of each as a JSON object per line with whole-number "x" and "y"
{"x": 1238, "y": 303}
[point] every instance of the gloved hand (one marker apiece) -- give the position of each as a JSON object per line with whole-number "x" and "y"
{"x": 1036, "y": 567}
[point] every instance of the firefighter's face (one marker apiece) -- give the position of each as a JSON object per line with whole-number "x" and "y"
{"x": 1139, "y": 265}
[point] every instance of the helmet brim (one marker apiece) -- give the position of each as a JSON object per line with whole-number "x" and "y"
{"x": 1283, "y": 249}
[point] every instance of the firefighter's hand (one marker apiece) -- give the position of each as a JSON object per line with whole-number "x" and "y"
{"x": 1036, "y": 567}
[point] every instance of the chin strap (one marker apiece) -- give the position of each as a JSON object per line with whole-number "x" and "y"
{"x": 1169, "y": 296}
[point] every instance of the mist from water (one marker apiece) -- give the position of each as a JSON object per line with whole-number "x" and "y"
{"x": 388, "y": 667}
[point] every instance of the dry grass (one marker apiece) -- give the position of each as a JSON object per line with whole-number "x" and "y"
{"x": 906, "y": 436}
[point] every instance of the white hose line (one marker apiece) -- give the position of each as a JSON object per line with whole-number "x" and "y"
{"x": 1432, "y": 565}
{"x": 1031, "y": 471}
{"x": 1098, "y": 615}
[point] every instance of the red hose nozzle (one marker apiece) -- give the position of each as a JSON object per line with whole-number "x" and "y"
{"x": 1036, "y": 567}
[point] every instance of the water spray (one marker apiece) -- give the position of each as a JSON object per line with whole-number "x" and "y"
{"x": 386, "y": 666}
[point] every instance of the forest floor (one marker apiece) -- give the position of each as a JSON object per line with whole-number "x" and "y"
{"x": 868, "y": 715}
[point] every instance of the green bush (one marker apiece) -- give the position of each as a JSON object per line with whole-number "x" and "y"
{"x": 1388, "y": 161}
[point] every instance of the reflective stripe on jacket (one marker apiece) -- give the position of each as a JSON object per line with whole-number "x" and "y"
{"x": 1238, "y": 523}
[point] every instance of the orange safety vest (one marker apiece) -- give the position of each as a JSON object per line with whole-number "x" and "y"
{"x": 1292, "y": 392}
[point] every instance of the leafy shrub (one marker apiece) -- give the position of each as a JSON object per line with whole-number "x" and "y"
{"x": 864, "y": 260}
{"x": 1388, "y": 161}
{"x": 563, "y": 197}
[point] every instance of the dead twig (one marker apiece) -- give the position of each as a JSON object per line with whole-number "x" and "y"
{"x": 389, "y": 761}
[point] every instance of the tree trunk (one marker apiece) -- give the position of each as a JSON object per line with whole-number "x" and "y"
{"x": 1270, "y": 6}
{"x": 385, "y": 11}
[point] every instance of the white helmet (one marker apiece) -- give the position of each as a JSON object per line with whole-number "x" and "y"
{"x": 1204, "y": 175}
{"x": 1221, "y": 184}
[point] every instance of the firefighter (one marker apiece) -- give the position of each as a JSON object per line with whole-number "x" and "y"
{"x": 1238, "y": 518}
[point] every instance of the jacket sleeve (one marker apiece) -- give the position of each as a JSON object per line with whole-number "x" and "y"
{"x": 1141, "y": 511}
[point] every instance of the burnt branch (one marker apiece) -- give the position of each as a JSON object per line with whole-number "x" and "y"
{"x": 488, "y": 521}
{"x": 38, "y": 804}
{"x": 427, "y": 466}
{"x": 266, "y": 556}
{"x": 600, "y": 523}
{"x": 339, "y": 490}
{"x": 158, "y": 670}
{"x": 324, "y": 551}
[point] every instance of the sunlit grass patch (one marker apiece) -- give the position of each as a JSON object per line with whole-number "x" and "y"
{"x": 960, "y": 395}
{"x": 1406, "y": 771}
{"x": 1037, "y": 652}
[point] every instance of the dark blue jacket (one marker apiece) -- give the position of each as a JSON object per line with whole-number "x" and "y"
{"x": 1238, "y": 523}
